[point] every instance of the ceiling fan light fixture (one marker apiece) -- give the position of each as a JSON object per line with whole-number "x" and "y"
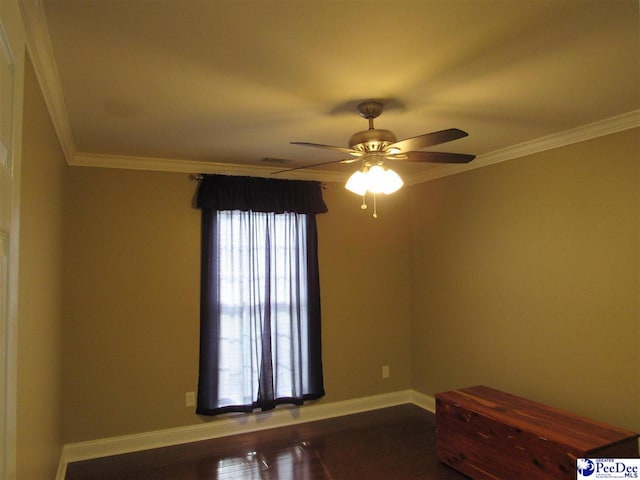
{"x": 373, "y": 146}
{"x": 375, "y": 179}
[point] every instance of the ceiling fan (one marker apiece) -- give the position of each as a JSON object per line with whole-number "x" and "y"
{"x": 373, "y": 146}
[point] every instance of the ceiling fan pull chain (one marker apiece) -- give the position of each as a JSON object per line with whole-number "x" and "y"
{"x": 375, "y": 207}
{"x": 364, "y": 202}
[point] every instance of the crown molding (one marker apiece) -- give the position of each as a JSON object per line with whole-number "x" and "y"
{"x": 586, "y": 132}
{"x": 195, "y": 167}
{"x": 44, "y": 64}
{"x": 608, "y": 126}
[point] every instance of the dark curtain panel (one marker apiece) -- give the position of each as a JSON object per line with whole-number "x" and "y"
{"x": 260, "y": 334}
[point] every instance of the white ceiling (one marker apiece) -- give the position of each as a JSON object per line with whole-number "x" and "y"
{"x": 195, "y": 85}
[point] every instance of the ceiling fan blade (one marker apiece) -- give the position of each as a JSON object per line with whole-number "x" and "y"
{"x": 428, "y": 140}
{"x": 344, "y": 160}
{"x": 439, "y": 157}
{"x": 350, "y": 151}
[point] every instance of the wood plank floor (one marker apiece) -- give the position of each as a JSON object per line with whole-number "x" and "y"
{"x": 394, "y": 443}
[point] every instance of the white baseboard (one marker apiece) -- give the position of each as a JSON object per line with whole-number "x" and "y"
{"x": 424, "y": 401}
{"x": 235, "y": 424}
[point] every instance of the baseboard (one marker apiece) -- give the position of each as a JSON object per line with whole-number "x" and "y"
{"x": 235, "y": 424}
{"x": 424, "y": 401}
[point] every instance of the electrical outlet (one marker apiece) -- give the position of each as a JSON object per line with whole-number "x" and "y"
{"x": 385, "y": 372}
{"x": 190, "y": 399}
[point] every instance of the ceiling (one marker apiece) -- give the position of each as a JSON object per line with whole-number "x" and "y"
{"x": 217, "y": 86}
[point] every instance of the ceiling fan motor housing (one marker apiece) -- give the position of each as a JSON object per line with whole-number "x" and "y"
{"x": 373, "y": 140}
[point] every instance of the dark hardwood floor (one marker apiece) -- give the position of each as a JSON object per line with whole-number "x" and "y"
{"x": 394, "y": 443}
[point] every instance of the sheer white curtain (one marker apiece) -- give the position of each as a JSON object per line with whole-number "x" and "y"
{"x": 262, "y": 282}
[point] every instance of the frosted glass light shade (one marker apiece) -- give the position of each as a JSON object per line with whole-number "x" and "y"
{"x": 392, "y": 182}
{"x": 357, "y": 183}
{"x": 375, "y": 180}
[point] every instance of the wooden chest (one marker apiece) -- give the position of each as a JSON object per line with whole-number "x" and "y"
{"x": 487, "y": 434}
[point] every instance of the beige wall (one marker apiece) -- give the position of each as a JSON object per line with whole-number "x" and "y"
{"x": 364, "y": 274}
{"x": 132, "y": 300}
{"x": 525, "y": 277}
{"x": 39, "y": 439}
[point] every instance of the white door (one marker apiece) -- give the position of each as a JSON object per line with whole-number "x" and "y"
{"x": 11, "y": 75}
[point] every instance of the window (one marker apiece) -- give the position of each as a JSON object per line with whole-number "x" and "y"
{"x": 260, "y": 304}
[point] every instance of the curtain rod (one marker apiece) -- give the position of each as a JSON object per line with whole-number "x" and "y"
{"x": 200, "y": 176}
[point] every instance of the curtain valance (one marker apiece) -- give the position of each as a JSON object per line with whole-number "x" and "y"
{"x": 224, "y": 192}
